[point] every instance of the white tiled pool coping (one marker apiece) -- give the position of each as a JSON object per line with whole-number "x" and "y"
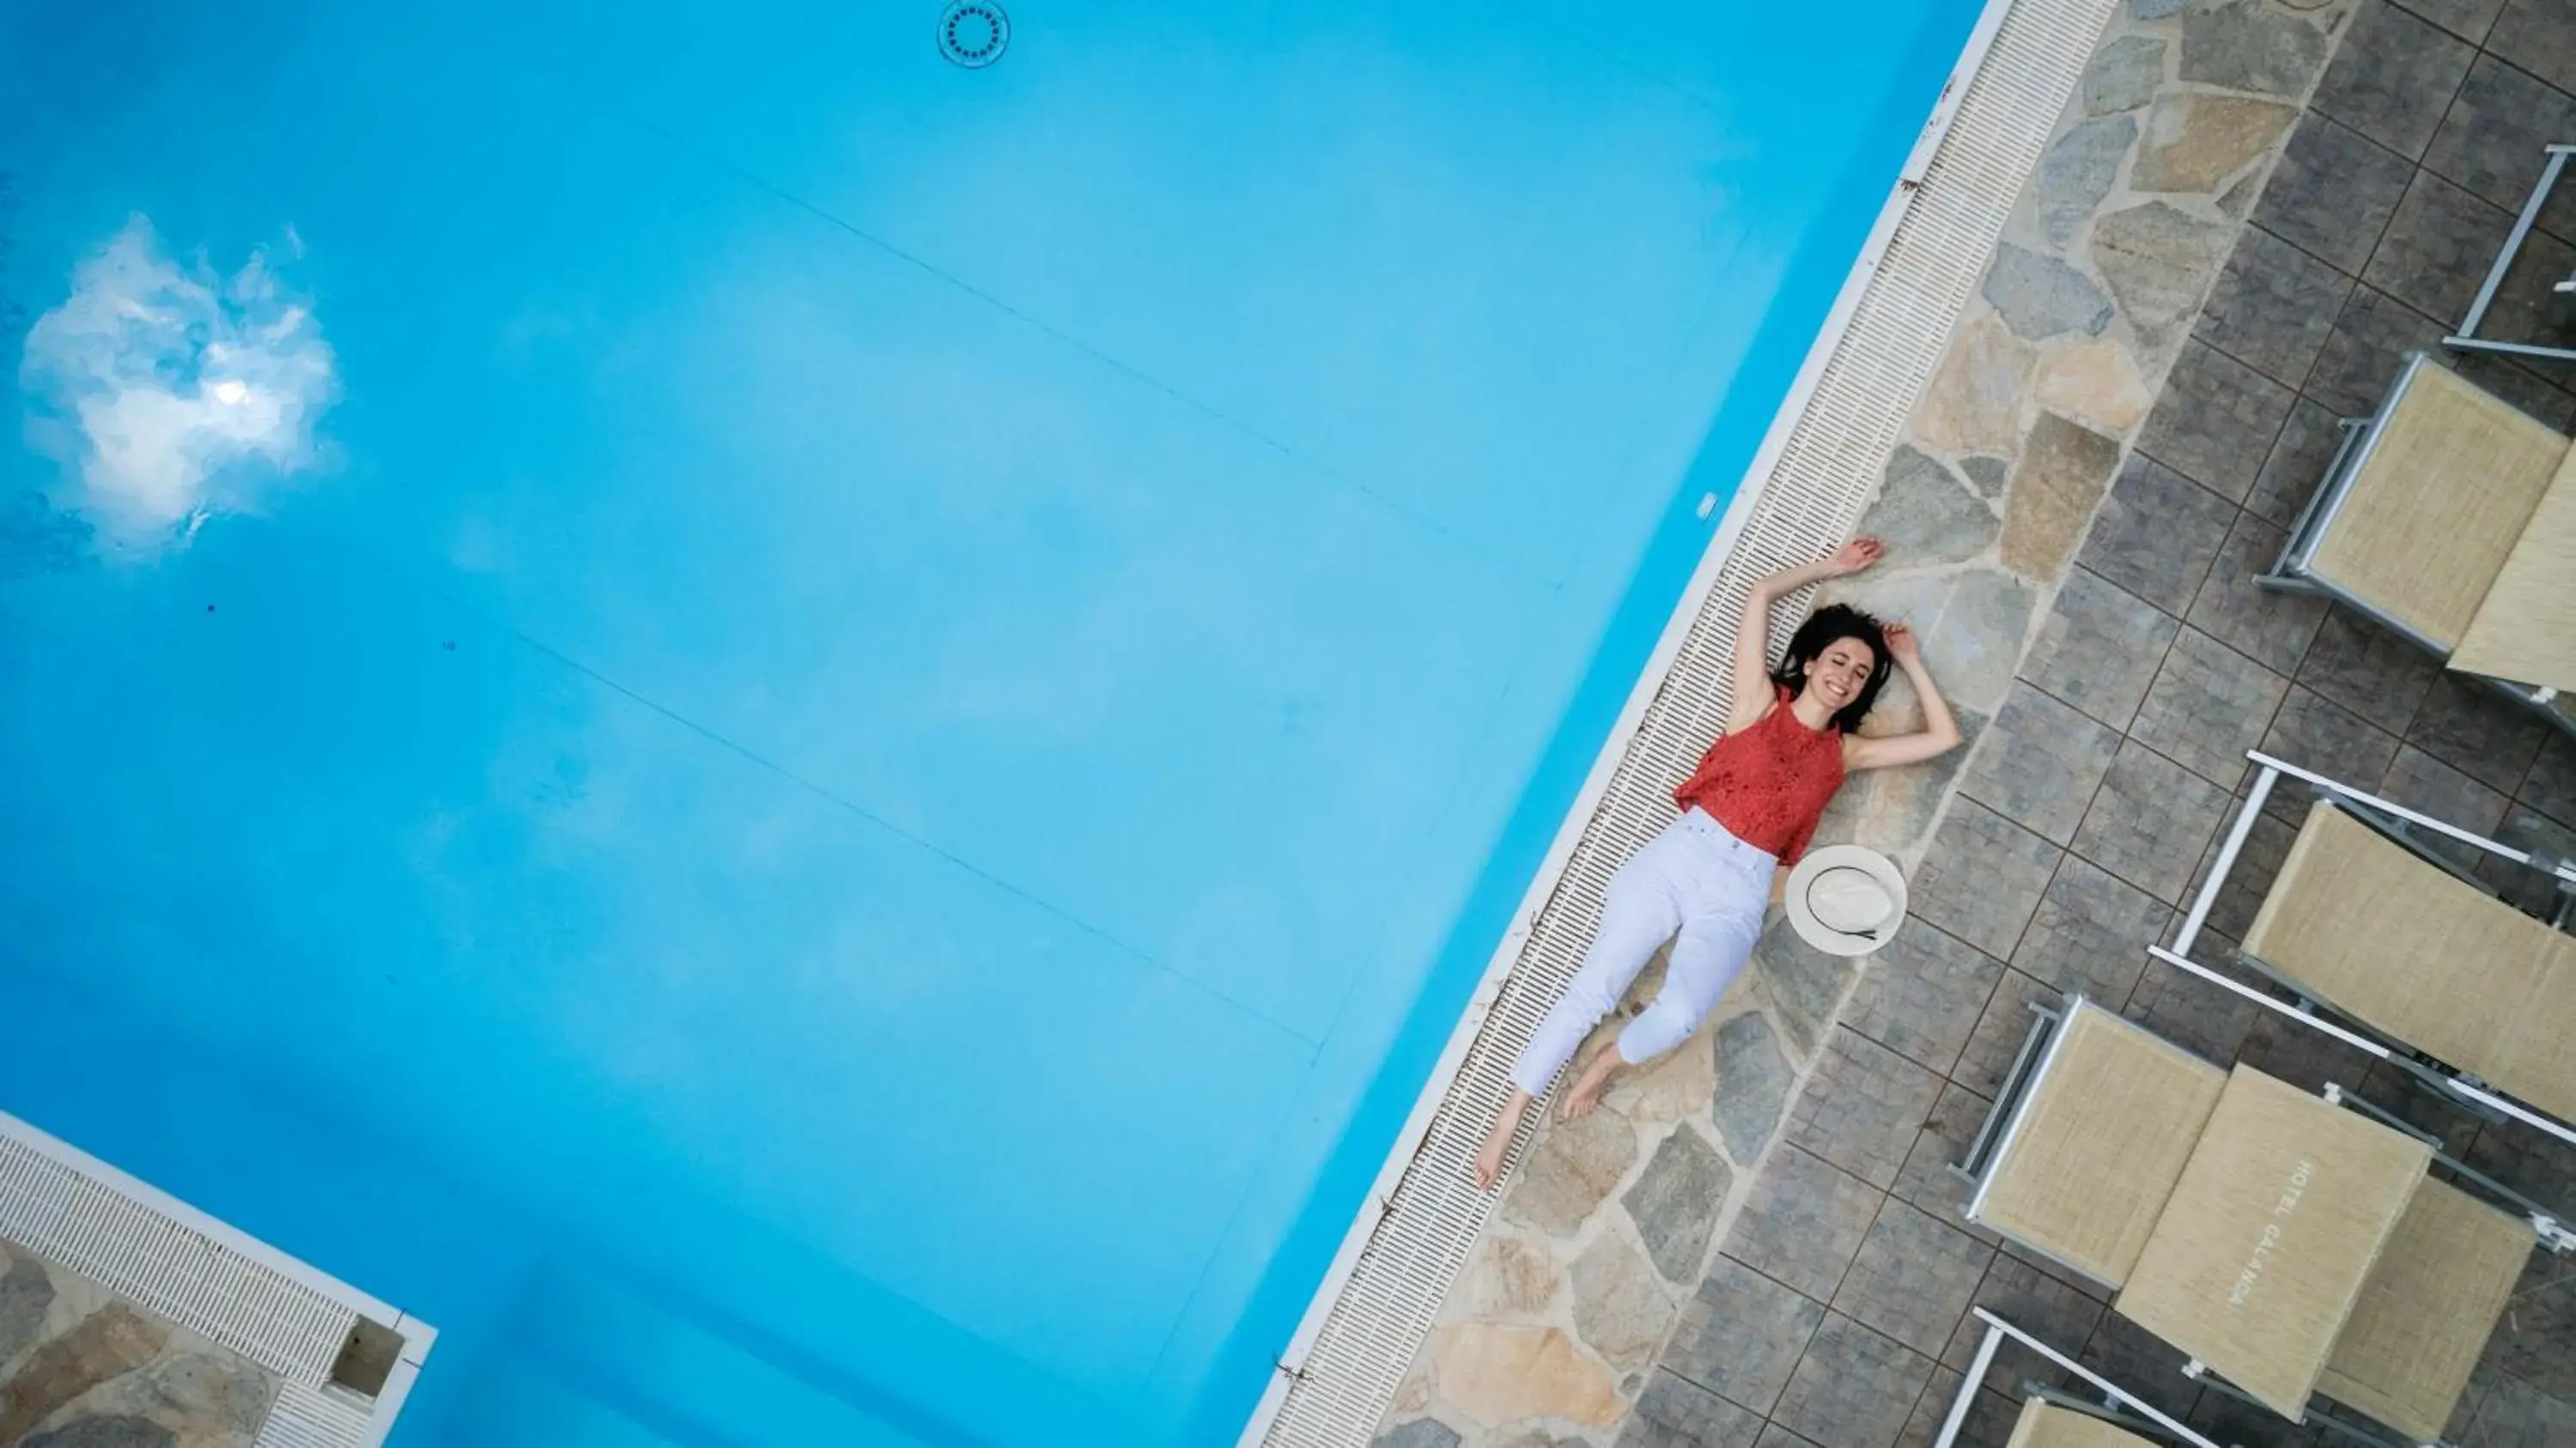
{"x": 166, "y": 1256}
{"x": 1802, "y": 494}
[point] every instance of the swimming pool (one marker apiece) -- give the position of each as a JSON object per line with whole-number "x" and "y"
{"x": 843, "y": 731}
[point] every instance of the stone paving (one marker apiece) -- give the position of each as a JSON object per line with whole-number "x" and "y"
{"x": 2250, "y": 211}
{"x": 81, "y": 1369}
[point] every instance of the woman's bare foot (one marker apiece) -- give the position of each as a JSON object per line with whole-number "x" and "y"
{"x": 1498, "y": 1142}
{"x": 1586, "y": 1091}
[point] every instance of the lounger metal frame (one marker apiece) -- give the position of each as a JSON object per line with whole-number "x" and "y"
{"x": 2309, "y": 1009}
{"x": 2125, "y": 1404}
{"x": 2468, "y": 339}
{"x": 2294, "y": 571}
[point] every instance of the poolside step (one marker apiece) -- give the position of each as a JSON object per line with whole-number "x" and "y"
{"x": 513, "y": 1405}
{"x": 640, "y": 1360}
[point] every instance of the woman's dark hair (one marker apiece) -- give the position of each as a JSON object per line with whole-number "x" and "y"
{"x": 1823, "y": 627}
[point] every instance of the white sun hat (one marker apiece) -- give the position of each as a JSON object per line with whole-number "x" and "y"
{"x": 1846, "y": 900}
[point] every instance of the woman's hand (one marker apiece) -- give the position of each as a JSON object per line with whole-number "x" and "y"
{"x": 1853, "y": 557}
{"x": 1901, "y": 645}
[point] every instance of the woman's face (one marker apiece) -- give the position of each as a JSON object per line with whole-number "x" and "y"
{"x": 1837, "y": 675}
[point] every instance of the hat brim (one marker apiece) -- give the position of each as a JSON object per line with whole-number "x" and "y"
{"x": 1823, "y": 937}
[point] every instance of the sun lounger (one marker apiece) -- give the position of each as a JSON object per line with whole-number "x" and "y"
{"x": 2443, "y": 978}
{"x": 2290, "y": 1247}
{"x": 2450, "y": 518}
{"x": 2424, "y": 957}
{"x": 2044, "y": 1424}
{"x": 2050, "y": 1418}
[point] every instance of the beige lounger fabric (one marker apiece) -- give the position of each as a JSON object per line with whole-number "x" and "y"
{"x": 2438, "y": 504}
{"x": 2536, "y": 1061}
{"x": 2101, "y": 1143}
{"x": 2423, "y": 956}
{"x": 2525, "y": 631}
{"x": 2427, "y": 1311}
{"x": 2043, "y": 1424}
{"x": 2263, "y": 1248}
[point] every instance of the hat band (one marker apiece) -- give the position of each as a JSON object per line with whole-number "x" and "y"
{"x": 1813, "y": 914}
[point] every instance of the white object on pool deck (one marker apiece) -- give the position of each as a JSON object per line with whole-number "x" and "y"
{"x": 1801, "y": 496}
{"x": 1846, "y": 899}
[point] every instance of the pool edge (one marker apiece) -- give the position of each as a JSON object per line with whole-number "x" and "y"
{"x": 1321, "y": 1392}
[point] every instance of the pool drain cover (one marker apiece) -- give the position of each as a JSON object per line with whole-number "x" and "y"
{"x": 974, "y": 33}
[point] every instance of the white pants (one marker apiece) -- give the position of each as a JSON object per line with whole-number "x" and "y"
{"x": 1695, "y": 885}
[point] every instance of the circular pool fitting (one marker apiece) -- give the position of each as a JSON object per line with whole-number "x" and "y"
{"x": 973, "y": 33}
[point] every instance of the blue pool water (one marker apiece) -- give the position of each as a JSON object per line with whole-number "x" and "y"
{"x": 814, "y": 744}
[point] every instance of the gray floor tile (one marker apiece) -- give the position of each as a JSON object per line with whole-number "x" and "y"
{"x": 2040, "y": 762}
{"x": 1806, "y": 983}
{"x": 2140, "y": 1363}
{"x": 1675, "y": 1413}
{"x": 1419, "y": 1433}
{"x": 2418, "y": 781}
{"x": 2392, "y": 77}
{"x": 2151, "y": 822}
{"x": 1922, "y": 994}
{"x": 2208, "y": 705}
{"x": 2157, "y": 533}
{"x": 2550, "y": 786}
{"x": 1989, "y": 1423}
{"x": 1741, "y": 1335}
{"x": 2296, "y": 464}
{"x": 1775, "y": 1436}
{"x": 2099, "y": 648}
{"x": 2267, "y": 844}
{"x": 2000, "y": 1033}
{"x": 2468, "y": 19}
{"x": 1754, "y": 1079}
{"x": 1913, "y": 1277}
{"x": 2038, "y": 1303}
{"x": 2091, "y": 934}
{"x": 2420, "y": 1105}
{"x": 2371, "y": 339}
{"x": 2204, "y": 1019}
{"x": 2272, "y": 308}
{"x": 1981, "y": 877}
{"x": 2476, "y": 731}
{"x": 1804, "y": 1221}
{"x": 2534, "y": 892}
{"x": 2314, "y": 732}
{"x": 2532, "y": 1163}
{"x": 2536, "y": 1342}
{"x": 2437, "y": 247}
{"x": 1928, "y": 1181}
{"x": 2528, "y": 307}
{"x": 2516, "y": 1414}
{"x": 2491, "y": 140}
{"x": 2273, "y": 629}
{"x": 2218, "y": 417}
{"x": 2368, "y": 670}
{"x": 2539, "y": 36}
{"x": 1862, "y": 1106}
{"x": 2306, "y": 1058}
{"x": 2332, "y": 192}
{"x": 1855, "y": 1388}
{"x": 2244, "y": 1425}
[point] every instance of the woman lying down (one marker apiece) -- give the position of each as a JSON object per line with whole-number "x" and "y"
{"x": 1746, "y": 811}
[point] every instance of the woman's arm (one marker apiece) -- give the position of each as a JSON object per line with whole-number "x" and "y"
{"x": 1753, "y": 632}
{"x": 1940, "y": 732}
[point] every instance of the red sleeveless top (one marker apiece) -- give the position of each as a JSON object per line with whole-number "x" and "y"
{"x": 1769, "y": 784}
